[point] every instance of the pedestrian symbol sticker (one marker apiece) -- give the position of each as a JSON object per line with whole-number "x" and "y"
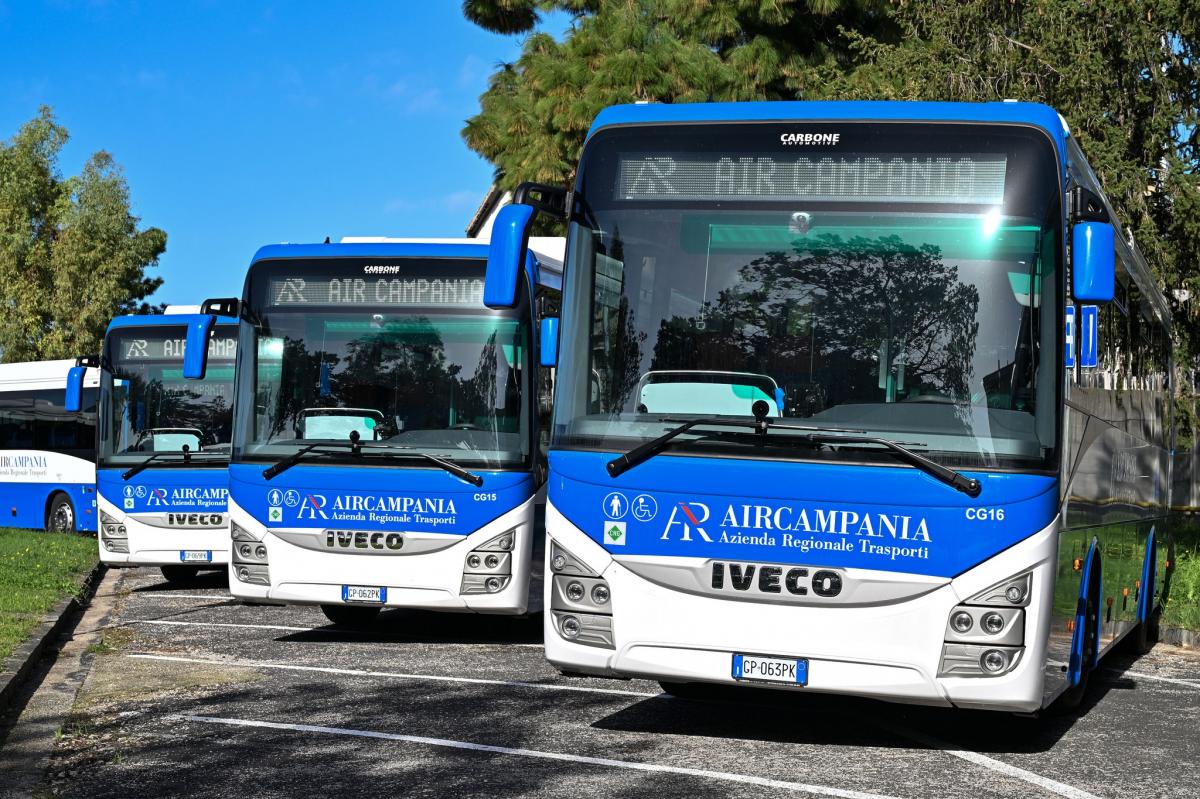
{"x": 274, "y": 497}
{"x": 614, "y": 533}
{"x": 644, "y": 508}
{"x": 615, "y": 505}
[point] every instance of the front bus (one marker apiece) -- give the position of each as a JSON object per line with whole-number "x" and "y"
{"x": 385, "y": 446}
{"x": 808, "y": 423}
{"x": 163, "y": 446}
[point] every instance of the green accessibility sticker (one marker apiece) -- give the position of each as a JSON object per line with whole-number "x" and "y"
{"x": 614, "y": 533}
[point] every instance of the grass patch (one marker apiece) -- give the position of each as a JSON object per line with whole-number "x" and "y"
{"x": 1183, "y": 602}
{"x": 37, "y": 570}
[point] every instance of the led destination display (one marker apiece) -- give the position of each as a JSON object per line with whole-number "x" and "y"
{"x": 852, "y": 177}
{"x": 394, "y": 291}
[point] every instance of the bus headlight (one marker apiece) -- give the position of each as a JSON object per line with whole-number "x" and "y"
{"x": 579, "y": 600}
{"x": 962, "y": 621}
{"x": 247, "y": 550}
{"x": 992, "y": 623}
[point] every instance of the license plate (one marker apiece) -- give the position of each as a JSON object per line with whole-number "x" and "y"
{"x": 195, "y": 555}
{"x": 364, "y": 593}
{"x": 756, "y": 668}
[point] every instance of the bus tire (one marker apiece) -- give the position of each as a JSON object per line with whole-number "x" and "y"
{"x": 1146, "y": 635}
{"x": 60, "y": 518}
{"x": 350, "y": 616}
{"x": 180, "y": 574}
{"x": 689, "y": 690}
{"x": 1072, "y": 698}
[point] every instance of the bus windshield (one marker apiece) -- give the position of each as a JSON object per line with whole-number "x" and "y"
{"x": 392, "y": 350}
{"x": 892, "y": 279}
{"x": 148, "y": 407}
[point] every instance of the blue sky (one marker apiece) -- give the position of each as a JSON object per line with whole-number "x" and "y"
{"x": 240, "y": 124}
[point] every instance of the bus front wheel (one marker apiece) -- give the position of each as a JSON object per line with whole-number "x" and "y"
{"x": 348, "y": 616}
{"x": 61, "y": 517}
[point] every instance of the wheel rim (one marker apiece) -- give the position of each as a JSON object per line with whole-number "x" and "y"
{"x": 63, "y": 518}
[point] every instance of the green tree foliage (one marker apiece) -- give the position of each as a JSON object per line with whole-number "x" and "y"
{"x": 71, "y": 254}
{"x": 1124, "y": 73}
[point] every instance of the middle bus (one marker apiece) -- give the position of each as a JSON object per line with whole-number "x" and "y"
{"x": 386, "y": 434}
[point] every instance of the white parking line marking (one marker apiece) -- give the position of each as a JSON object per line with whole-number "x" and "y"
{"x": 219, "y": 624}
{"x": 1054, "y": 786}
{"x": 818, "y": 790}
{"x": 165, "y": 595}
{"x": 293, "y": 629}
{"x": 398, "y": 675}
{"x": 1137, "y": 675}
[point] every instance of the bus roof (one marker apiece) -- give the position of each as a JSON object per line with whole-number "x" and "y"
{"x": 546, "y": 253}
{"x": 155, "y": 320}
{"x": 42, "y": 374}
{"x": 1005, "y": 112}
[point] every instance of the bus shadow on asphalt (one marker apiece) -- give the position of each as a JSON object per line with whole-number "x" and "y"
{"x": 404, "y": 626}
{"x": 766, "y": 715}
{"x": 213, "y": 578}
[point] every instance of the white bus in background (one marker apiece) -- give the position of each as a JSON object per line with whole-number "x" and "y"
{"x": 47, "y": 455}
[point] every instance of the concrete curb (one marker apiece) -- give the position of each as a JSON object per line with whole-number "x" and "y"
{"x": 1187, "y": 639}
{"x": 21, "y": 662}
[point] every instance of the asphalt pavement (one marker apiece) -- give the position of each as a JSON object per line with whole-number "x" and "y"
{"x": 191, "y": 693}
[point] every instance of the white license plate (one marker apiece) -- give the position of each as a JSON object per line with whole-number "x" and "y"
{"x": 195, "y": 555}
{"x": 756, "y": 668}
{"x": 364, "y": 593}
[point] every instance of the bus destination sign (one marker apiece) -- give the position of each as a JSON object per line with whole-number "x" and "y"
{"x": 402, "y": 291}
{"x": 974, "y": 179}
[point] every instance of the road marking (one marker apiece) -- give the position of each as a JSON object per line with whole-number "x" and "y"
{"x": 1137, "y": 675}
{"x": 399, "y": 675}
{"x": 818, "y": 790}
{"x": 219, "y": 624}
{"x": 366, "y": 635}
{"x": 1054, "y": 786}
{"x": 165, "y": 595}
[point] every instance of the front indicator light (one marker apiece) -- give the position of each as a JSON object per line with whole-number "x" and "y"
{"x": 569, "y": 627}
{"x": 993, "y": 661}
{"x": 992, "y": 623}
{"x": 961, "y": 621}
{"x": 1014, "y": 594}
{"x": 558, "y": 562}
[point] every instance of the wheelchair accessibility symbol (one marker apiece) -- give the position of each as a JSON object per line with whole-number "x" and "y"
{"x": 644, "y": 508}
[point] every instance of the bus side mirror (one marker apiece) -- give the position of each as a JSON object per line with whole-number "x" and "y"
{"x": 195, "y": 351}
{"x": 1093, "y": 261}
{"x": 548, "y": 342}
{"x": 506, "y": 256}
{"x": 73, "y": 403}
{"x": 222, "y": 306}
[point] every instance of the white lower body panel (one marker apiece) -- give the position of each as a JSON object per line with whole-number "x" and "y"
{"x": 429, "y": 580}
{"x": 888, "y": 651}
{"x": 162, "y": 546}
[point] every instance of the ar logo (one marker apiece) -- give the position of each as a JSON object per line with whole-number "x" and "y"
{"x": 614, "y": 533}
{"x": 137, "y": 349}
{"x": 158, "y": 496}
{"x": 291, "y": 292}
{"x": 312, "y": 506}
{"x": 694, "y": 514}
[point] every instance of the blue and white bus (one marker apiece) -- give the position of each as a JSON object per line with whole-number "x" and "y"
{"x": 387, "y": 434}
{"x": 863, "y": 397}
{"x": 47, "y": 453}
{"x": 163, "y": 444}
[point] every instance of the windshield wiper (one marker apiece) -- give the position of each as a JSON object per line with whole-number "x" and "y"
{"x": 816, "y": 435}
{"x": 356, "y": 448}
{"x": 137, "y": 468}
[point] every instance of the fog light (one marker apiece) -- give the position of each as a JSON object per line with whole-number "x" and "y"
{"x": 108, "y": 545}
{"x": 558, "y": 562}
{"x": 600, "y": 594}
{"x": 961, "y": 621}
{"x": 993, "y": 660}
{"x": 569, "y": 627}
{"x": 1014, "y": 594}
{"x": 260, "y": 552}
{"x": 992, "y": 623}
{"x": 493, "y": 584}
{"x": 473, "y": 561}
{"x": 491, "y": 561}
{"x": 243, "y": 574}
{"x": 575, "y": 592}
